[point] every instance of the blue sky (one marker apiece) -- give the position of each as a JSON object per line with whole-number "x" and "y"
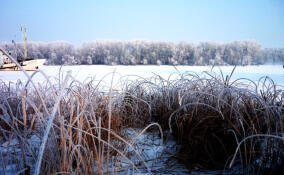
{"x": 77, "y": 21}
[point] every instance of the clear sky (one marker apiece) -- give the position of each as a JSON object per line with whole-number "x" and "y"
{"x": 77, "y": 21}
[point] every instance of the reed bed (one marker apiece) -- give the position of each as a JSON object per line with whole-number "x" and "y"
{"x": 210, "y": 116}
{"x": 70, "y": 127}
{"x": 66, "y": 127}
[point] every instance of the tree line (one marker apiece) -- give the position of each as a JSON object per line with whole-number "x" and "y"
{"x": 141, "y": 52}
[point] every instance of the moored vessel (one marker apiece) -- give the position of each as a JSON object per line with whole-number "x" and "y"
{"x": 8, "y": 63}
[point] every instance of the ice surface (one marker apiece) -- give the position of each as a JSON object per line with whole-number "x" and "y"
{"x": 99, "y": 72}
{"x": 155, "y": 153}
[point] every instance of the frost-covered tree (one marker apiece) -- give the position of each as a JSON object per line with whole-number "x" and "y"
{"x": 149, "y": 52}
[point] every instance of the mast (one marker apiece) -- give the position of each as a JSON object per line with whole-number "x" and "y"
{"x": 25, "y": 39}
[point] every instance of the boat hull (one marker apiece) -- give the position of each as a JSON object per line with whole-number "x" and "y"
{"x": 30, "y": 65}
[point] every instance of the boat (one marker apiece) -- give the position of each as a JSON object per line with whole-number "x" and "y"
{"x": 8, "y": 63}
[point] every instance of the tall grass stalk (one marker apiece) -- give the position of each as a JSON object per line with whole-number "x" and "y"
{"x": 49, "y": 125}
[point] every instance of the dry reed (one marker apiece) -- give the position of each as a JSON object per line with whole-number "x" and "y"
{"x": 70, "y": 127}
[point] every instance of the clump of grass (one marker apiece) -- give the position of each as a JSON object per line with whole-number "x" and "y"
{"x": 210, "y": 115}
{"x": 134, "y": 107}
{"x": 69, "y": 127}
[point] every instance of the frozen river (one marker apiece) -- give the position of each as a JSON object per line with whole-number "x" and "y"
{"x": 98, "y": 72}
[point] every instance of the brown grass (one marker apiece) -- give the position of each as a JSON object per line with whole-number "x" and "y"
{"x": 210, "y": 117}
{"x": 87, "y": 122}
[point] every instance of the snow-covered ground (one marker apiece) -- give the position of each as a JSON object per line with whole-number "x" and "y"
{"x": 98, "y": 72}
